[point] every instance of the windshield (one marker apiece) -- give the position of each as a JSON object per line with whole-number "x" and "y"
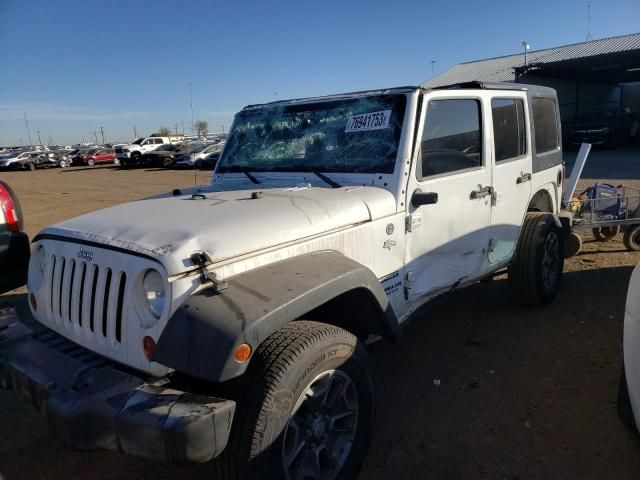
{"x": 138, "y": 141}
{"x": 358, "y": 135}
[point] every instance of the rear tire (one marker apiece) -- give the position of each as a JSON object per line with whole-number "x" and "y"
{"x": 631, "y": 238}
{"x": 309, "y": 386}
{"x": 536, "y": 268}
{"x": 91, "y": 162}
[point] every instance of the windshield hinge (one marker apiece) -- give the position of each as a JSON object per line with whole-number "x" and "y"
{"x": 202, "y": 260}
{"x": 407, "y": 224}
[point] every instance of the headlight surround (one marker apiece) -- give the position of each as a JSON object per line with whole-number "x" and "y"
{"x": 37, "y": 267}
{"x": 154, "y": 292}
{"x": 40, "y": 257}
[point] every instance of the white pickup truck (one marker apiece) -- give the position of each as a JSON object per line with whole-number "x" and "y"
{"x": 230, "y": 322}
{"x": 131, "y": 154}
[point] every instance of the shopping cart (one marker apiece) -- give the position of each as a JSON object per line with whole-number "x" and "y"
{"x": 605, "y": 210}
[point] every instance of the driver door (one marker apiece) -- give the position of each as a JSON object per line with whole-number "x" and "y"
{"x": 447, "y": 237}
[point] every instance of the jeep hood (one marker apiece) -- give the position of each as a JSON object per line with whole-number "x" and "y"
{"x": 225, "y": 224}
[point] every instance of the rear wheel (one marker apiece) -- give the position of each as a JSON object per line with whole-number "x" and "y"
{"x": 536, "y": 269}
{"x": 63, "y": 164}
{"x": 305, "y": 407}
{"x": 91, "y": 162}
{"x": 631, "y": 238}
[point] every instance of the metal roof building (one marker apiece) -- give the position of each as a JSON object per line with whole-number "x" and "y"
{"x": 609, "y": 60}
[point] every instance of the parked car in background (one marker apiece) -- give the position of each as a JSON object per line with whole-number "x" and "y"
{"x": 167, "y": 155}
{"x": 61, "y": 157}
{"x": 131, "y": 154}
{"x": 608, "y": 129}
{"x": 194, "y": 157}
{"x": 37, "y": 160}
{"x": 14, "y": 243}
{"x": 99, "y": 155}
{"x": 13, "y": 160}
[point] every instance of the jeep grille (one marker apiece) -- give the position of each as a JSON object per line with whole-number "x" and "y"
{"x": 87, "y": 295}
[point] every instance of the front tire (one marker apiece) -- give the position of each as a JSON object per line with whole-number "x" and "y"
{"x": 91, "y": 162}
{"x": 536, "y": 269}
{"x": 305, "y": 407}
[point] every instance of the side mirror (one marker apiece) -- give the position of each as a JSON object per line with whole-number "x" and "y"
{"x": 423, "y": 198}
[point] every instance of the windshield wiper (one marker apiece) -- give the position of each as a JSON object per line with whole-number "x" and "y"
{"x": 249, "y": 176}
{"x": 324, "y": 178}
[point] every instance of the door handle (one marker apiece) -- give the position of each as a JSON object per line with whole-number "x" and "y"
{"x": 525, "y": 177}
{"x": 481, "y": 193}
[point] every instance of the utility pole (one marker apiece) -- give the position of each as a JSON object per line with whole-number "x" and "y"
{"x": 193, "y": 128}
{"x": 433, "y": 63}
{"x": 95, "y": 135}
{"x": 102, "y": 133}
{"x": 135, "y": 132}
{"x": 589, "y": 37}
{"x": 28, "y": 131}
{"x": 176, "y": 127}
{"x": 83, "y": 141}
{"x": 39, "y": 141}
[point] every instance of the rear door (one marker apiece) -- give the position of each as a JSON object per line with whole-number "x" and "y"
{"x": 512, "y": 173}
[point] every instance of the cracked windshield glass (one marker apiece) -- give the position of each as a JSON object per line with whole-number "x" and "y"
{"x": 347, "y": 136}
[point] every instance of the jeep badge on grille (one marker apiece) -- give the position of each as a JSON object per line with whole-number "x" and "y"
{"x": 85, "y": 254}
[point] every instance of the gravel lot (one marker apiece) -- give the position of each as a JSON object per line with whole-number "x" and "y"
{"x": 480, "y": 388}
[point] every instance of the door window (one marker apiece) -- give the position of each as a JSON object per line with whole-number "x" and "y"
{"x": 509, "y": 134}
{"x": 451, "y": 138}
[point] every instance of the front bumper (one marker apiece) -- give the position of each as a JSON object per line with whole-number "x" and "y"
{"x": 90, "y": 403}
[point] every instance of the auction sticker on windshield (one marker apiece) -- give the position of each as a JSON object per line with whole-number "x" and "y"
{"x": 368, "y": 121}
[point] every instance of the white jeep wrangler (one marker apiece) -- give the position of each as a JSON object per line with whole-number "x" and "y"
{"x": 131, "y": 154}
{"x": 230, "y": 321}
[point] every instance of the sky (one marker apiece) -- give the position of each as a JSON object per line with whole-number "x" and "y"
{"x": 75, "y": 66}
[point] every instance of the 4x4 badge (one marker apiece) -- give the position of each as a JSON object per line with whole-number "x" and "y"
{"x": 85, "y": 254}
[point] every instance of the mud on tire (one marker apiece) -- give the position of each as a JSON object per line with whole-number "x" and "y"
{"x": 536, "y": 269}
{"x": 308, "y": 391}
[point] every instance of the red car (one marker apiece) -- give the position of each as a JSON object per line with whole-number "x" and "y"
{"x": 100, "y": 155}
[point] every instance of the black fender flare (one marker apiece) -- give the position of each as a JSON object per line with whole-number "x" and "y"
{"x": 202, "y": 334}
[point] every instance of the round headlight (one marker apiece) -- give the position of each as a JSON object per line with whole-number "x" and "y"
{"x": 40, "y": 257}
{"x": 154, "y": 292}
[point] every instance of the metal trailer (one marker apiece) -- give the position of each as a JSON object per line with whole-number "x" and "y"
{"x": 606, "y": 210}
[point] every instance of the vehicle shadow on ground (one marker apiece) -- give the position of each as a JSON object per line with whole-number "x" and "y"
{"x": 480, "y": 387}
{"x": 95, "y": 167}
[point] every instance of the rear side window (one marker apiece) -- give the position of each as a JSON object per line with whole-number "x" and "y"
{"x": 452, "y": 137}
{"x": 510, "y": 136}
{"x": 545, "y": 124}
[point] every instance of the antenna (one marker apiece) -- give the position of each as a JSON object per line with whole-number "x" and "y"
{"x": 589, "y": 37}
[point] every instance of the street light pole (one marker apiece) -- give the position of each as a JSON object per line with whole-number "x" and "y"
{"x": 95, "y": 135}
{"x": 39, "y": 141}
{"x": 28, "y": 131}
{"x": 102, "y": 133}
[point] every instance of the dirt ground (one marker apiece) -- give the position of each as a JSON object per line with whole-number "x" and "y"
{"x": 480, "y": 388}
